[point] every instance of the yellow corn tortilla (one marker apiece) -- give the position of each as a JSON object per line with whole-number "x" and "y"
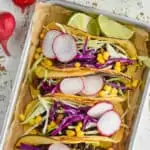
{"x": 50, "y": 13}
{"x": 59, "y": 73}
{"x": 41, "y": 140}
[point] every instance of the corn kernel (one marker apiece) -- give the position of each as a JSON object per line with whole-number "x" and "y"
{"x": 80, "y": 124}
{"x": 42, "y": 36}
{"x": 36, "y": 56}
{"x": 77, "y": 65}
{"x": 100, "y": 59}
{"x": 80, "y": 134}
{"x": 70, "y": 133}
{"x": 21, "y": 117}
{"x": 39, "y": 50}
{"x": 99, "y": 56}
{"x": 134, "y": 58}
{"x": 47, "y": 63}
{"x": 135, "y": 83}
{"x": 78, "y": 128}
{"x": 32, "y": 122}
{"x": 114, "y": 91}
{"x": 118, "y": 64}
{"x": 106, "y": 55}
{"x": 38, "y": 119}
{"x": 34, "y": 132}
{"x": 117, "y": 69}
{"x": 53, "y": 124}
{"x": 102, "y": 93}
{"x": 128, "y": 85}
{"x": 107, "y": 88}
{"x": 49, "y": 128}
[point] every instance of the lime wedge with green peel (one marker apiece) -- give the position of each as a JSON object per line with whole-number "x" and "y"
{"x": 111, "y": 28}
{"x": 80, "y": 21}
{"x": 93, "y": 27}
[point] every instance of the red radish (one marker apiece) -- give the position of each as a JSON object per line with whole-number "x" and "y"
{"x": 64, "y": 47}
{"x": 109, "y": 123}
{"x": 7, "y": 26}
{"x": 24, "y": 3}
{"x": 92, "y": 84}
{"x": 47, "y": 43}
{"x": 58, "y": 146}
{"x": 71, "y": 85}
{"x": 99, "y": 109}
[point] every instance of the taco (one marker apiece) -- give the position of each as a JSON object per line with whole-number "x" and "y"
{"x": 46, "y": 143}
{"x": 67, "y": 50}
{"x": 69, "y": 121}
{"x": 92, "y": 87}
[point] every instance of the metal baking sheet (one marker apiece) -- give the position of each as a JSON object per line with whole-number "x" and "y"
{"x": 21, "y": 70}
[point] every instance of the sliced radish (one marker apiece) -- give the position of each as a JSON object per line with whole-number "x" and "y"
{"x": 109, "y": 123}
{"x": 58, "y": 146}
{"x": 48, "y": 42}
{"x": 71, "y": 85}
{"x": 99, "y": 109}
{"x": 64, "y": 47}
{"x": 92, "y": 84}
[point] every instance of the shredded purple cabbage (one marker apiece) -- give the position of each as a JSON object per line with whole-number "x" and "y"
{"x": 115, "y": 85}
{"x": 85, "y": 122}
{"x": 71, "y": 111}
{"x": 46, "y": 88}
{"x": 88, "y": 119}
{"x": 67, "y": 122}
{"x": 28, "y": 147}
{"x": 85, "y": 57}
{"x": 53, "y": 109}
{"x": 113, "y": 60}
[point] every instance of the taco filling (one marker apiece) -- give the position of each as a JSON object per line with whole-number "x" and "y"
{"x": 64, "y": 48}
{"x": 94, "y": 86}
{"x": 64, "y": 118}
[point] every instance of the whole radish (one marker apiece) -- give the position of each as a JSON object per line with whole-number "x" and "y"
{"x": 7, "y": 26}
{"x": 24, "y": 3}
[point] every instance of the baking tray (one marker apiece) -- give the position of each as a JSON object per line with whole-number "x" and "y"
{"x": 24, "y": 59}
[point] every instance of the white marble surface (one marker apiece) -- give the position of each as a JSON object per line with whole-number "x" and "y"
{"x": 138, "y": 9}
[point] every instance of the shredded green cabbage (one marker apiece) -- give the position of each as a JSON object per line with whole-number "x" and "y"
{"x": 38, "y": 61}
{"x": 45, "y": 105}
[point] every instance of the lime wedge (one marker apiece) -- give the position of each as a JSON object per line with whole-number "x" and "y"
{"x": 111, "y": 28}
{"x": 80, "y": 21}
{"x": 93, "y": 27}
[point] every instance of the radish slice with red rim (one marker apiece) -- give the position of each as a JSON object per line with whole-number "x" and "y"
{"x": 99, "y": 109}
{"x": 71, "y": 85}
{"x": 48, "y": 42}
{"x": 92, "y": 84}
{"x": 58, "y": 146}
{"x": 64, "y": 47}
{"x": 109, "y": 123}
